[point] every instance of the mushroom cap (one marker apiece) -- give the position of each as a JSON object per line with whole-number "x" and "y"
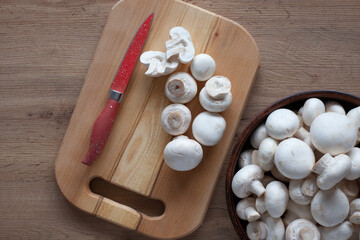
{"x": 244, "y": 178}
{"x": 180, "y": 44}
{"x": 330, "y": 207}
{"x": 301, "y": 191}
{"x": 333, "y": 133}
{"x": 355, "y": 211}
{"x": 245, "y": 209}
{"x": 176, "y": 119}
{"x": 354, "y": 155}
{"x": 342, "y": 231}
{"x": 257, "y": 230}
{"x": 180, "y": 87}
{"x": 208, "y": 128}
{"x": 333, "y": 106}
{"x": 276, "y": 198}
{"x": 276, "y": 229}
{"x": 214, "y": 105}
{"x": 282, "y": 123}
{"x": 245, "y": 158}
{"x": 183, "y": 154}
{"x": 258, "y": 135}
{"x": 294, "y": 158}
{"x": 295, "y": 211}
{"x": 202, "y": 67}
{"x": 313, "y": 107}
{"x": 302, "y": 229}
{"x": 266, "y": 153}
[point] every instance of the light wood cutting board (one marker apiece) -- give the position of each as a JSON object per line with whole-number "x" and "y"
{"x": 133, "y": 155}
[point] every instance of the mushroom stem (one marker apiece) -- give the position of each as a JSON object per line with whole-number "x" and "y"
{"x": 251, "y": 214}
{"x": 306, "y": 233}
{"x": 257, "y": 230}
{"x": 257, "y": 188}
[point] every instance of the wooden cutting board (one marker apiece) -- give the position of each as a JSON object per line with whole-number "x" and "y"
{"x": 133, "y": 155}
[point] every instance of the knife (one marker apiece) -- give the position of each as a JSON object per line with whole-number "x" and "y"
{"x": 105, "y": 121}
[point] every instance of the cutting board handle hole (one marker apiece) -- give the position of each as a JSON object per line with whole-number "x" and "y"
{"x": 143, "y": 204}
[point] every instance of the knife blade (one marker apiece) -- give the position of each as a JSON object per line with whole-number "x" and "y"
{"x": 105, "y": 121}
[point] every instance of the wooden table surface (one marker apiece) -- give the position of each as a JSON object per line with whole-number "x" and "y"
{"x": 46, "y": 47}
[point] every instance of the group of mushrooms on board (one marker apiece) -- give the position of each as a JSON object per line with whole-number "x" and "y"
{"x": 183, "y": 153}
{"x": 311, "y": 182}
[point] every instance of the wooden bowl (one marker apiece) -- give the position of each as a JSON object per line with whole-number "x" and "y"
{"x": 293, "y": 102}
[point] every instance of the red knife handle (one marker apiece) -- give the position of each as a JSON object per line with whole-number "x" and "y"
{"x": 101, "y": 131}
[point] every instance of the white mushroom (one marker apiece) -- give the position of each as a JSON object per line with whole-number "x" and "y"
{"x": 245, "y": 158}
{"x": 183, "y": 154}
{"x": 354, "y": 115}
{"x": 267, "y": 227}
{"x": 278, "y": 175}
{"x": 176, "y": 119}
{"x": 333, "y": 106}
{"x": 312, "y": 108}
{"x": 342, "y": 231}
{"x": 333, "y": 133}
{"x": 216, "y": 95}
{"x": 301, "y": 191}
{"x": 295, "y": 211}
{"x": 302, "y": 229}
{"x": 354, "y": 155}
{"x": 180, "y": 45}
{"x": 282, "y": 123}
{"x": 305, "y": 136}
{"x": 202, "y": 67}
{"x": 294, "y": 158}
{"x": 245, "y": 209}
{"x": 258, "y": 135}
{"x": 331, "y": 170}
{"x": 330, "y": 208}
{"x": 350, "y": 188}
{"x": 276, "y": 198}
{"x": 157, "y": 64}
{"x": 260, "y": 204}
{"x": 247, "y": 181}
{"x": 355, "y": 211}
{"x": 266, "y": 153}
{"x": 180, "y": 87}
{"x": 208, "y": 128}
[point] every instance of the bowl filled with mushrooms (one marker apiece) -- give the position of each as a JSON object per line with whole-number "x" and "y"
{"x": 294, "y": 172}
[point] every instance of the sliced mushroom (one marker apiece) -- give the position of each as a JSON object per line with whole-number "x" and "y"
{"x": 180, "y": 87}
{"x": 329, "y": 208}
{"x": 266, "y": 153}
{"x": 258, "y": 135}
{"x": 355, "y": 211}
{"x": 208, "y": 128}
{"x": 183, "y": 154}
{"x": 302, "y": 229}
{"x": 216, "y": 95}
{"x": 247, "y": 181}
{"x": 301, "y": 191}
{"x": 333, "y": 106}
{"x": 202, "y": 67}
{"x": 312, "y": 108}
{"x": 295, "y": 211}
{"x": 157, "y": 63}
{"x": 294, "y": 158}
{"x": 276, "y": 198}
{"x": 354, "y": 155}
{"x": 245, "y": 209}
{"x": 282, "y": 123}
{"x": 267, "y": 227}
{"x": 342, "y": 231}
{"x": 180, "y": 45}
{"x": 331, "y": 170}
{"x": 176, "y": 119}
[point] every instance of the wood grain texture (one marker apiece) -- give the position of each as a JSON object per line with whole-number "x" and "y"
{"x": 46, "y": 49}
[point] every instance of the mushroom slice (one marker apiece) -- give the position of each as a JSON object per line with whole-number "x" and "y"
{"x": 329, "y": 208}
{"x": 157, "y": 63}
{"x": 355, "y": 211}
{"x": 247, "y": 181}
{"x": 282, "y": 123}
{"x": 312, "y": 108}
{"x": 276, "y": 198}
{"x": 258, "y": 135}
{"x": 342, "y": 231}
{"x": 302, "y": 229}
{"x": 301, "y": 191}
{"x": 216, "y": 95}
{"x": 246, "y": 210}
{"x": 176, "y": 119}
{"x": 266, "y": 228}
{"x": 331, "y": 170}
{"x": 180, "y": 87}
{"x": 202, "y": 67}
{"x": 180, "y": 44}
{"x": 183, "y": 154}
{"x": 208, "y": 128}
{"x": 354, "y": 155}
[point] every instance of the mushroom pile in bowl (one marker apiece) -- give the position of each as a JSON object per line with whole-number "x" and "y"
{"x": 293, "y": 171}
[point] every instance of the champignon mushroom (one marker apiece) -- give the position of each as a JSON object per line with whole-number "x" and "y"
{"x": 330, "y": 207}
{"x": 276, "y": 198}
{"x": 333, "y": 133}
{"x": 302, "y": 229}
{"x": 180, "y": 45}
{"x": 282, "y": 123}
{"x": 180, "y": 87}
{"x": 208, "y": 128}
{"x": 333, "y": 106}
{"x": 202, "y": 67}
{"x": 176, "y": 119}
{"x": 245, "y": 158}
{"x": 331, "y": 170}
{"x": 349, "y": 187}
{"x": 294, "y": 158}
{"x": 267, "y": 227}
{"x": 312, "y": 108}
{"x": 157, "y": 64}
{"x": 258, "y": 135}
{"x": 266, "y": 153}
{"x": 354, "y": 115}
{"x": 342, "y": 231}
{"x": 355, "y": 211}
{"x": 183, "y": 154}
{"x": 301, "y": 191}
{"x": 245, "y": 209}
{"x": 354, "y": 155}
{"x": 247, "y": 181}
{"x": 295, "y": 211}
{"x": 216, "y": 95}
